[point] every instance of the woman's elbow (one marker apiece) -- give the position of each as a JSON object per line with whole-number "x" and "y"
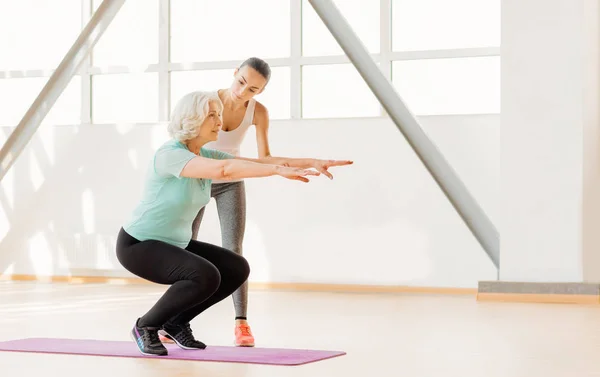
{"x": 225, "y": 171}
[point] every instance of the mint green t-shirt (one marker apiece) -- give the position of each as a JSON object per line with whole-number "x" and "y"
{"x": 170, "y": 202}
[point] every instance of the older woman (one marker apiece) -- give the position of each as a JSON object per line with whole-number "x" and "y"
{"x": 156, "y": 244}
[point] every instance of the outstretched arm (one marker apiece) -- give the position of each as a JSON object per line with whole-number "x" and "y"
{"x": 261, "y": 120}
{"x": 202, "y": 167}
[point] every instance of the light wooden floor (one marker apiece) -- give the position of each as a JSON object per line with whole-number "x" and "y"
{"x": 384, "y": 335}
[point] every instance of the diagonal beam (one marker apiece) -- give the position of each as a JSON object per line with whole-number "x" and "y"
{"x": 454, "y": 189}
{"x": 68, "y": 67}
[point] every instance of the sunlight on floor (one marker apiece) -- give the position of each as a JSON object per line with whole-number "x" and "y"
{"x": 383, "y": 334}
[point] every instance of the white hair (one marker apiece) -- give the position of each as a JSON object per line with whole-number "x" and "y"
{"x": 189, "y": 113}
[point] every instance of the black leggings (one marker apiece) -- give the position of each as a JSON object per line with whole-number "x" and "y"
{"x": 200, "y": 276}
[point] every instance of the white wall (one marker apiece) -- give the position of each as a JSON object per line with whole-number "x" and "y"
{"x": 381, "y": 221}
{"x": 549, "y": 151}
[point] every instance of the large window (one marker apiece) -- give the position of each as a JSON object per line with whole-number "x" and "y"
{"x": 449, "y": 86}
{"x": 419, "y": 25}
{"x": 364, "y": 16}
{"x": 36, "y": 34}
{"x": 132, "y": 37}
{"x": 34, "y": 37}
{"x": 125, "y": 98}
{"x": 336, "y": 91}
{"x": 441, "y": 56}
{"x": 208, "y": 30}
{"x": 16, "y": 95}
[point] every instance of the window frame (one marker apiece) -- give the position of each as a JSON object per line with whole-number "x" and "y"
{"x": 295, "y": 61}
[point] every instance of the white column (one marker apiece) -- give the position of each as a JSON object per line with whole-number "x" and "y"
{"x": 550, "y": 184}
{"x": 591, "y": 144}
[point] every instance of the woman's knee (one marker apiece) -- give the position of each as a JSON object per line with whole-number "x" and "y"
{"x": 207, "y": 276}
{"x": 241, "y": 268}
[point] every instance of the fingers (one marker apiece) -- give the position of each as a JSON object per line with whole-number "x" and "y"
{"x": 301, "y": 179}
{"x": 325, "y": 172}
{"x": 299, "y": 174}
{"x": 310, "y": 172}
{"x": 339, "y": 163}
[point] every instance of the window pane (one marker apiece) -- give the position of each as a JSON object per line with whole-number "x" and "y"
{"x": 229, "y": 29}
{"x": 17, "y": 95}
{"x": 449, "y": 86}
{"x": 125, "y": 98}
{"x": 132, "y": 37}
{"x": 67, "y": 109}
{"x": 185, "y": 82}
{"x": 336, "y": 91}
{"x": 276, "y": 96}
{"x": 443, "y": 24}
{"x": 363, "y": 17}
{"x": 37, "y": 34}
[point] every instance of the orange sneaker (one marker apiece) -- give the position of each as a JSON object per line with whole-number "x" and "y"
{"x": 164, "y": 339}
{"x": 243, "y": 335}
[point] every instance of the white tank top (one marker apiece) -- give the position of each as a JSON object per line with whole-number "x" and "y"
{"x": 231, "y": 141}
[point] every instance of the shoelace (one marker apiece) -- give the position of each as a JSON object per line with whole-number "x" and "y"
{"x": 186, "y": 336}
{"x": 245, "y": 330}
{"x": 151, "y": 337}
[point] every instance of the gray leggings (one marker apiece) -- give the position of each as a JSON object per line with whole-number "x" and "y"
{"x": 231, "y": 206}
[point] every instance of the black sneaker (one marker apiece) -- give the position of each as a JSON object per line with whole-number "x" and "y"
{"x": 182, "y": 336}
{"x": 146, "y": 339}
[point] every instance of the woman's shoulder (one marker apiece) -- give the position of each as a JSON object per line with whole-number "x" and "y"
{"x": 206, "y": 152}
{"x": 260, "y": 112}
{"x": 214, "y": 154}
{"x": 259, "y": 107}
{"x": 172, "y": 149}
{"x": 170, "y": 145}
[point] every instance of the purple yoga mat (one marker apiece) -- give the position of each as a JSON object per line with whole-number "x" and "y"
{"x": 254, "y": 355}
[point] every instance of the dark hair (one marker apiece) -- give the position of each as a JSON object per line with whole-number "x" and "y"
{"x": 260, "y": 66}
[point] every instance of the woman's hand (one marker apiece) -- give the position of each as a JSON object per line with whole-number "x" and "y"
{"x": 296, "y": 173}
{"x": 322, "y": 165}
